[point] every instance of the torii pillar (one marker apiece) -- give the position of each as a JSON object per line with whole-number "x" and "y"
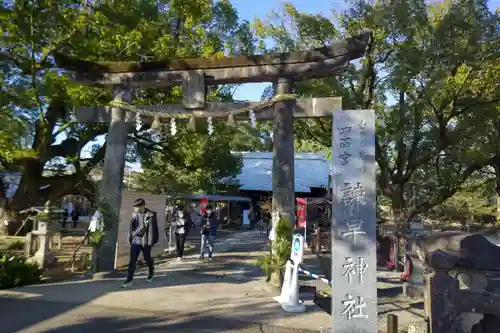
{"x": 110, "y": 192}
{"x": 195, "y": 75}
{"x": 283, "y": 200}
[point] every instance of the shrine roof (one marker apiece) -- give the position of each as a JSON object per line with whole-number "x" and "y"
{"x": 311, "y": 171}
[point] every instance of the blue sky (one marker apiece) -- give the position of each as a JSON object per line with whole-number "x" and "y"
{"x": 251, "y": 9}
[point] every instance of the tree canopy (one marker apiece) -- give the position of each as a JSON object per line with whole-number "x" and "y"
{"x": 431, "y": 73}
{"x": 194, "y": 162}
{"x": 53, "y": 155}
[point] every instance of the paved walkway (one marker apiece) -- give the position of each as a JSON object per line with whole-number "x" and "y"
{"x": 390, "y": 299}
{"x": 225, "y": 295}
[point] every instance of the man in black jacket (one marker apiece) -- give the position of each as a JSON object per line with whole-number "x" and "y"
{"x": 143, "y": 235}
{"x": 208, "y": 230}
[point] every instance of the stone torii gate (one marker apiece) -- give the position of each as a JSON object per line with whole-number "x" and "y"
{"x": 195, "y": 75}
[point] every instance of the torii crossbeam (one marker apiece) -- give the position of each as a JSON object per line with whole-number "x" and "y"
{"x": 194, "y": 75}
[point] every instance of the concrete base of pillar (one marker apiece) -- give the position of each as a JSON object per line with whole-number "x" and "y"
{"x": 44, "y": 260}
{"x": 294, "y": 308}
{"x": 106, "y": 275}
{"x": 418, "y": 327}
{"x": 413, "y": 290}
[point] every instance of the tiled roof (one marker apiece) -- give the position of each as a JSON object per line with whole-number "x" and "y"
{"x": 311, "y": 171}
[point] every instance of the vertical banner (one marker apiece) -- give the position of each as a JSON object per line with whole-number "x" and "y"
{"x": 203, "y": 204}
{"x": 353, "y": 228}
{"x": 301, "y": 223}
{"x": 301, "y": 213}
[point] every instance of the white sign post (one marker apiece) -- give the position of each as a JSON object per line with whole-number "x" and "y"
{"x": 294, "y": 305}
{"x": 297, "y": 249}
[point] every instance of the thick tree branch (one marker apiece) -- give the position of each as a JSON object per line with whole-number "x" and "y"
{"x": 68, "y": 147}
{"x": 58, "y": 186}
{"x": 150, "y": 143}
{"x": 174, "y": 158}
{"x": 367, "y": 88}
{"x": 400, "y": 144}
{"x": 411, "y": 166}
{"x": 72, "y": 146}
{"x": 95, "y": 160}
{"x": 383, "y": 164}
{"x": 323, "y": 128}
{"x": 459, "y": 111}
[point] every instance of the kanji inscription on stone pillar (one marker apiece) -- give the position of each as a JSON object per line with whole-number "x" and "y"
{"x": 354, "y": 270}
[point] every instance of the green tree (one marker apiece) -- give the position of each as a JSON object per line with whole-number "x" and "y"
{"x": 194, "y": 162}
{"x": 39, "y": 97}
{"x": 468, "y": 205}
{"x": 36, "y": 97}
{"x": 428, "y": 71}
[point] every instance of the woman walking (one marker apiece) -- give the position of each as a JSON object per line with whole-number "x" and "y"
{"x": 182, "y": 224}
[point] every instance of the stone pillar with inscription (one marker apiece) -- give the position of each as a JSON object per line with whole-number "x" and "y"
{"x": 354, "y": 261}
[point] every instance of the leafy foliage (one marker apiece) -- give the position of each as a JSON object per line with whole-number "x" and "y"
{"x": 192, "y": 162}
{"x": 275, "y": 261}
{"x": 431, "y": 74}
{"x": 36, "y": 139}
{"x": 472, "y": 203}
{"x": 15, "y": 271}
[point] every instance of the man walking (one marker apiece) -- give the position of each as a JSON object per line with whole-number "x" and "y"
{"x": 170, "y": 227}
{"x": 182, "y": 225}
{"x": 143, "y": 235}
{"x": 214, "y": 223}
{"x": 206, "y": 233}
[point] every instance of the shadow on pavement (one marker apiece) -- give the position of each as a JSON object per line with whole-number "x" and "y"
{"x": 206, "y": 318}
{"x": 99, "y": 320}
{"x": 183, "y": 297}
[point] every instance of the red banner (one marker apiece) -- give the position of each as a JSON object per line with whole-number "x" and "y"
{"x": 301, "y": 213}
{"x": 203, "y": 204}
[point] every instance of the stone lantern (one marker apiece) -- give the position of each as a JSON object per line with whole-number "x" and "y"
{"x": 44, "y": 219}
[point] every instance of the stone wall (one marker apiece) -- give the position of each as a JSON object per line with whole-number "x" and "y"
{"x": 461, "y": 291}
{"x": 153, "y": 202}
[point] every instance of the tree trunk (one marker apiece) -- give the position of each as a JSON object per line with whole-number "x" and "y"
{"x": 6, "y": 215}
{"x": 497, "y": 221}
{"x": 497, "y": 192}
{"x": 398, "y": 209}
{"x": 399, "y": 216}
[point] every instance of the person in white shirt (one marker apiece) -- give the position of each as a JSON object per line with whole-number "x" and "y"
{"x": 182, "y": 225}
{"x": 194, "y": 215}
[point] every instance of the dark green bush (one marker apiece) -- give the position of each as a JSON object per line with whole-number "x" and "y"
{"x": 16, "y": 271}
{"x": 16, "y": 245}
